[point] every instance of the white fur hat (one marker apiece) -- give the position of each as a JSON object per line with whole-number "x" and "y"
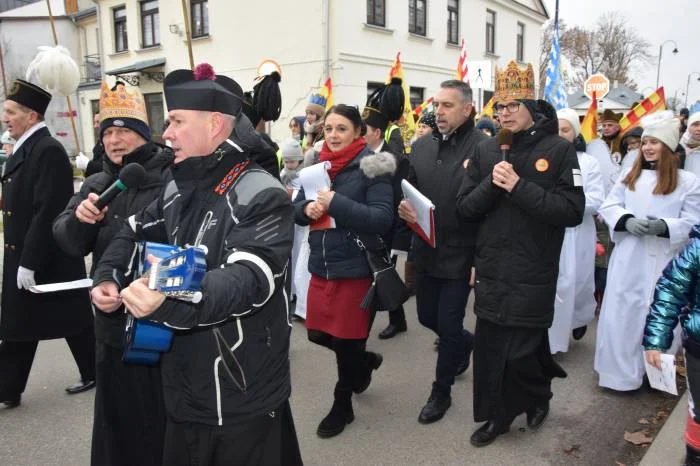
{"x": 662, "y": 126}
{"x": 694, "y": 118}
{"x": 291, "y": 150}
{"x": 571, "y": 116}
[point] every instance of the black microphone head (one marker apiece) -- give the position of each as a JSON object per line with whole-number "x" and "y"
{"x": 505, "y": 138}
{"x": 133, "y": 175}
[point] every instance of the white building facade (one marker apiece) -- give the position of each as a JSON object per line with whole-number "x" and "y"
{"x": 22, "y": 31}
{"x": 352, "y": 41}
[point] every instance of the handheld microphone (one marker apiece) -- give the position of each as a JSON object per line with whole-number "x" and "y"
{"x": 131, "y": 176}
{"x": 505, "y": 140}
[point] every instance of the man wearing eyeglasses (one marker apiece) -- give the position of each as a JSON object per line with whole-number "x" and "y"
{"x": 523, "y": 204}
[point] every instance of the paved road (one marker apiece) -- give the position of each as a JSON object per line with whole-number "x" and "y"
{"x": 53, "y": 428}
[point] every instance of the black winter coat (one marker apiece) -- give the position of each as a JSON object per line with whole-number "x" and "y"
{"x": 244, "y": 219}
{"x": 437, "y": 170}
{"x": 80, "y": 239}
{"x": 400, "y": 236}
{"x": 521, "y": 233}
{"x": 259, "y": 147}
{"x": 37, "y": 183}
{"x": 363, "y": 206}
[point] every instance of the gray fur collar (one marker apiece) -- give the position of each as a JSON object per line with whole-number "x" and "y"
{"x": 374, "y": 165}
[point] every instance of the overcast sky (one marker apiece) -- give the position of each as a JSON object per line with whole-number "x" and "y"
{"x": 657, "y": 21}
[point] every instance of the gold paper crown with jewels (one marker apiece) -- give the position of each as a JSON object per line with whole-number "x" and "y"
{"x": 514, "y": 83}
{"x": 119, "y": 102}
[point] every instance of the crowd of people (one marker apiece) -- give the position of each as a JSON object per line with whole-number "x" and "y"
{"x": 547, "y": 230}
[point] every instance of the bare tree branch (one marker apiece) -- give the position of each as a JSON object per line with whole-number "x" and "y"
{"x": 612, "y": 47}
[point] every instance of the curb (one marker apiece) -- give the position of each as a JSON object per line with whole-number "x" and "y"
{"x": 668, "y": 448}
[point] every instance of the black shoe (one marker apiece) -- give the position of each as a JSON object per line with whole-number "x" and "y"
{"x": 692, "y": 456}
{"x": 536, "y": 415}
{"x": 391, "y": 331}
{"x": 579, "y": 332}
{"x": 82, "y": 386}
{"x": 373, "y": 361}
{"x": 12, "y": 403}
{"x": 469, "y": 345}
{"x": 334, "y": 423}
{"x": 434, "y": 409}
{"x": 486, "y": 434}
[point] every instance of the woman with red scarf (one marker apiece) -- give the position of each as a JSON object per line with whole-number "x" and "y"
{"x": 359, "y": 203}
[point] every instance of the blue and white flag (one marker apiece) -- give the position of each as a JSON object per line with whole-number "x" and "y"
{"x": 554, "y": 88}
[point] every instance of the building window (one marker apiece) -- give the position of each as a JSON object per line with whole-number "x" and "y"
{"x": 95, "y": 107}
{"x": 416, "y": 17}
{"x": 416, "y": 95}
{"x": 156, "y": 118}
{"x": 453, "y": 21}
{"x": 121, "y": 42}
{"x": 375, "y": 13}
{"x": 150, "y": 24}
{"x": 490, "y": 31}
{"x": 200, "y": 18}
{"x": 520, "y": 45}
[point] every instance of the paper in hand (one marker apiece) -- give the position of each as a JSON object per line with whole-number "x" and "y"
{"x": 62, "y": 286}
{"x": 663, "y": 379}
{"x": 315, "y": 178}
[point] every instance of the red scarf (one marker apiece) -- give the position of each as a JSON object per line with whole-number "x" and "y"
{"x": 341, "y": 158}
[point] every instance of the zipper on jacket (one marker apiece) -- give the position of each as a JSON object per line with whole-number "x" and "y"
{"x": 323, "y": 247}
{"x": 203, "y": 228}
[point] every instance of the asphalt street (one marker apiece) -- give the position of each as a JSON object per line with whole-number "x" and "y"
{"x": 586, "y": 424}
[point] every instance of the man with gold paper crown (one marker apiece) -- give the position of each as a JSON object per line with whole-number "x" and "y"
{"x": 37, "y": 182}
{"x": 524, "y": 200}
{"x": 226, "y": 380}
{"x": 122, "y": 433}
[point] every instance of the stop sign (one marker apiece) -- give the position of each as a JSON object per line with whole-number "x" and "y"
{"x": 598, "y": 83}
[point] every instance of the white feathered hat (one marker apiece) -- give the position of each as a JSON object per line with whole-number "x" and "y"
{"x": 54, "y": 70}
{"x": 664, "y": 127}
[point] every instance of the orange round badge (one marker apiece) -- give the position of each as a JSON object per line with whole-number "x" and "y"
{"x": 541, "y": 165}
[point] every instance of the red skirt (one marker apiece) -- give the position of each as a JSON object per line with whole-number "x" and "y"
{"x": 333, "y": 307}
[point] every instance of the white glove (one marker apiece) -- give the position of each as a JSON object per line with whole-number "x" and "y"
{"x": 25, "y": 278}
{"x": 81, "y": 161}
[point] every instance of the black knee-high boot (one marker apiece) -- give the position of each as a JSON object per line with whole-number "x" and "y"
{"x": 341, "y": 412}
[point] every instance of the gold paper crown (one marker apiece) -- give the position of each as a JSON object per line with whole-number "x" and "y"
{"x": 122, "y": 103}
{"x": 514, "y": 83}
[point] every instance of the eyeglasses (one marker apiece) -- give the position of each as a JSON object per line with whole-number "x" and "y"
{"x": 512, "y": 107}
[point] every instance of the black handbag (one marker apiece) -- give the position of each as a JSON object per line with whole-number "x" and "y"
{"x": 387, "y": 291}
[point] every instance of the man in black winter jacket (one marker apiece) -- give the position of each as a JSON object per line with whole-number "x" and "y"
{"x": 442, "y": 273}
{"x": 121, "y": 434}
{"x": 523, "y": 205}
{"x": 226, "y": 380}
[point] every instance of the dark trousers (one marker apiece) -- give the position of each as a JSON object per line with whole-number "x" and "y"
{"x": 513, "y": 371}
{"x": 129, "y": 424}
{"x": 16, "y": 358}
{"x": 267, "y": 440}
{"x": 441, "y": 304}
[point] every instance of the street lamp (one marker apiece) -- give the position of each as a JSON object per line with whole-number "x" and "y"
{"x": 687, "y": 86}
{"x": 661, "y": 49}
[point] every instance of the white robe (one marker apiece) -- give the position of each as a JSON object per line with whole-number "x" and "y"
{"x": 635, "y": 266}
{"x": 574, "y": 305}
{"x": 692, "y": 156}
{"x": 609, "y": 168}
